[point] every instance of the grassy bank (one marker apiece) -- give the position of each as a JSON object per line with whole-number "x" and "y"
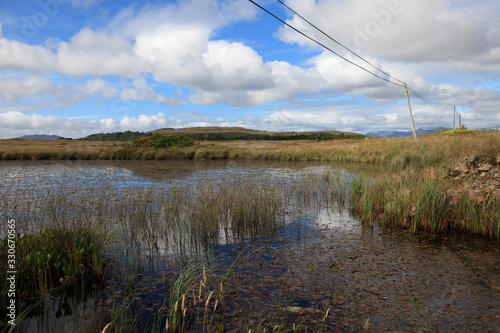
{"x": 430, "y": 150}
{"x": 418, "y": 202}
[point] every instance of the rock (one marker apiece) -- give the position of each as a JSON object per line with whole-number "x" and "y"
{"x": 479, "y": 179}
{"x": 485, "y": 167}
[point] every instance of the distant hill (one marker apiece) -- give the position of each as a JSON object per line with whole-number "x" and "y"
{"x": 403, "y": 134}
{"x": 225, "y": 133}
{"x": 240, "y": 133}
{"x": 41, "y": 137}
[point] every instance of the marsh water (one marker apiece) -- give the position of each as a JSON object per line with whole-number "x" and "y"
{"x": 321, "y": 269}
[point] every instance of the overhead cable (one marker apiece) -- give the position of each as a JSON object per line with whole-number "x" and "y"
{"x": 324, "y": 46}
{"x": 401, "y": 83}
{"x": 337, "y": 42}
{"x": 419, "y": 96}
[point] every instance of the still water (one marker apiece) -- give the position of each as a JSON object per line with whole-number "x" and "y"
{"x": 321, "y": 270}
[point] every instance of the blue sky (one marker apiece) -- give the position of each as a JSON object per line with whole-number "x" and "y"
{"x": 77, "y": 67}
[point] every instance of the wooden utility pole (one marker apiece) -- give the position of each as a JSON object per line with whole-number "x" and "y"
{"x": 454, "y": 116}
{"x": 460, "y": 120}
{"x": 411, "y": 114}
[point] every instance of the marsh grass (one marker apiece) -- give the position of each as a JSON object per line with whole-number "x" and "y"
{"x": 211, "y": 213}
{"x": 55, "y": 259}
{"x": 419, "y": 204}
{"x": 481, "y": 217}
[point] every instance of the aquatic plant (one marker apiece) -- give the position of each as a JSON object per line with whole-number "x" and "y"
{"x": 68, "y": 259}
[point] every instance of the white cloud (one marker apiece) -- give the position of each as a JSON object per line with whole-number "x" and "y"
{"x": 400, "y": 30}
{"x": 99, "y": 88}
{"x": 21, "y": 88}
{"x": 175, "y": 53}
{"x": 341, "y": 116}
{"x": 24, "y": 57}
{"x": 181, "y": 51}
{"x": 26, "y": 89}
{"x": 21, "y": 121}
{"x": 234, "y": 66}
{"x": 92, "y": 53}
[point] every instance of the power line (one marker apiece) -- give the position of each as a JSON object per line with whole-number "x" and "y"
{"x": 419, "y": 96}
{"x": 412, "y": 90}
{"x": 337, "y": 42}
{"x": 425, "y": 100}
{"x": 324, "y": 46}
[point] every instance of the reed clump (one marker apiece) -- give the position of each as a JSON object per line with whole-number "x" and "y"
{"x": 60, "y": 258}
{"x": 226, "y": 211}
{"x": 415, "y": 202}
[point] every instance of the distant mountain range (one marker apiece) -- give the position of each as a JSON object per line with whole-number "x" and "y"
{"x": 41, "y": 136}
{"x": 402, "y": 134}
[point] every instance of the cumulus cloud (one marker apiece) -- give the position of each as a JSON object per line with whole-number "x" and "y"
{"x": 21, "y": 88}
{"x": 402, "y": 30}
{"x": 28, "y": 90}
{"x": 340, "y": 115}
{"x": 94, "y": 53}
{"x": 181, "y": 50}
{"x": 24, "y": 57}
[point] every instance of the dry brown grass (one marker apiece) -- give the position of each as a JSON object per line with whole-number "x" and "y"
{"x": 63, "y": 146}
{"x": 36, "y": 149}
{"x": 398, "y": 153}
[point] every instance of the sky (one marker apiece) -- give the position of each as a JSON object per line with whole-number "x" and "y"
{"x": 79, "y": 67}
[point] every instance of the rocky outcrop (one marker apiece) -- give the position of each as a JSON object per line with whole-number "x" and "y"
{"x": 479, "y": 176}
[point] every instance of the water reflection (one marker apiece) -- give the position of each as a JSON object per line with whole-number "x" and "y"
{"x": 87, "y": 174}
